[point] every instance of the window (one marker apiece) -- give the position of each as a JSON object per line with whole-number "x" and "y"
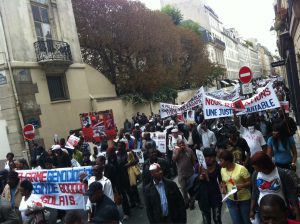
{"x": 57, "y": 87}
{"x": 41, "y": 22}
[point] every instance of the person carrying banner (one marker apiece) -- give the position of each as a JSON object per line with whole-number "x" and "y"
{"x": 207, "y": 136}
{"x": 254, "y": 137}
{"x": 11, "y": 191}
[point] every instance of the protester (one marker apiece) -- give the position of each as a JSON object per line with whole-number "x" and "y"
{"x": 235, "y": 176}
{"x": 133, "y": 174}
{"x": 283, "y": 148}
{"x": 29, "y": 201}
{"x": 209, "y": 195}
{"x": 124, "y": 185}
{"x": 109, "y": 171}
{"x": 254, "y": 138}
{"x": 207, "y": 136}
{"x": 185, "y": 160}
{"x": 127, "y": 126}
{"x": 147, "y": 140}
{"x": 274, "y": 210}
{"x": 12, "y": 191}
{"x": 153, "y": 158}
{"x": 238, "y": 147}
{"x": 62, "y": 158}
{"x": 269, "y": 179}
{"x": 9, "y": 158}
{"x": 130, "y": 141}
{"x": 137, "y": 134}
{"x": 103, "y": 208}
{"x": 163, "y": 199}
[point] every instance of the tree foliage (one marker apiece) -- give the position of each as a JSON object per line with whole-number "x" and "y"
{"x": 141, "y": 51}
{"x": 191, "y": 25}
{"x": 217, "y": 72}
{"x": 174, "y": 13}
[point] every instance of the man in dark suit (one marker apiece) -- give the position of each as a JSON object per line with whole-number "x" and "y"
{"x": 163, "y": 199}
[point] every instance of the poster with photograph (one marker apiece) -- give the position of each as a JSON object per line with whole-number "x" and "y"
{"x": 97, "y": 126}
{"x": 190, "y": 116}
{"x": 160, "y": 139}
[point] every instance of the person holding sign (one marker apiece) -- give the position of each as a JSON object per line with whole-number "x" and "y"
{"x": 235, "y": 183}
{"x": 209, "y": 195}
{"x": 208, "y": 137}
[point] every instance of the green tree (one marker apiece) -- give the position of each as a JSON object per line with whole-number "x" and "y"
{"x": 191, "y": 25}
{"x": 216, "y": 72}
{"x": 174, "y": 13}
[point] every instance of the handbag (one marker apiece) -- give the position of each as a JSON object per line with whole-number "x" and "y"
{"x": 136, "y": 170}
{"x": 118, "y": 198}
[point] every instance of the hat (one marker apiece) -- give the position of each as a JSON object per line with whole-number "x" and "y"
{"x": 151, "y": 120}
{"x": 95, "y": 186}
{"x": 137, "y": 124}
{"x": 54, "y": 147}
{"x": 158, "y": 124}
{"x": 180, "y": 122}
{"x": 154, "y": 166}
{"x": 174, "y": 130}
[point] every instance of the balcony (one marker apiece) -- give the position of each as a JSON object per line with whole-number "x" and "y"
{"x": 54, "y": 56}
{"x": 220, "y": 44}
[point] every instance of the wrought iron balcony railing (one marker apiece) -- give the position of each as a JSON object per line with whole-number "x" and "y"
{"x": 53, "y": 50}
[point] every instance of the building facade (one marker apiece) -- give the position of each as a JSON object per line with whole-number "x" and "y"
{"x": 43, "y": 80}
{"x": 231, "y": 54}
{"x": 287, "y": 27}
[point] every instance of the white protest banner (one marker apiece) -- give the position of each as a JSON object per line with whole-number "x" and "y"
{"x": 193, "y": 102}
{"x": 160, "y": 139}
{"x": 222, "y": 94}
{"x": 167, "y": 109}
{"x": 266, "y": 99}
{"x": 171, "y": 109}
{"x": 58, "y": 188}
{"x": 201, "y": 158}
{"x": 72, "y": 142}
{"x": 214, "y": 108}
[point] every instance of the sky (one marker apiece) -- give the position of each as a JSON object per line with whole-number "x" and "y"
{"x": 251, "y": 18}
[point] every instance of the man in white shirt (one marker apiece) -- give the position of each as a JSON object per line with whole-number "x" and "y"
{"x": 107, "y": 187}
{"x": 253, "y": 137}
{"x": 209, "y": 139}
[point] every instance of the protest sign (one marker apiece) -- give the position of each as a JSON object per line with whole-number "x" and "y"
{"x": 214, "y": 108}
{"x": 171, "y": 109}
{"x": 97, "y": 126}
{"x": 201, "y": 159}
{"x": 139, "y": 154}
{"x": 190, "y": 116}
{"x": 72, "y": 142}
{"x": 58, "y": 188}
{"x": 160, "y": 139}
{"x": 222, "y": 94}
{"x": 266, "y": 99}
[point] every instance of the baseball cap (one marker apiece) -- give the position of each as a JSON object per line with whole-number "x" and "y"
{"x": 95, "y": 186}
{"x": 174, "y": 130}
{"x": 54, "y": 147}
{"x": 137, "y": 124}
{"x": 154, "y": 166}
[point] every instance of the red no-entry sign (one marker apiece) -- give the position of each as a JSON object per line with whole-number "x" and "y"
{"x": 245, "y": 74}
{"x": 28, "y": 132}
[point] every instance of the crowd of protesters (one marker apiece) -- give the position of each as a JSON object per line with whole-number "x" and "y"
{"x": 254, "y": 167}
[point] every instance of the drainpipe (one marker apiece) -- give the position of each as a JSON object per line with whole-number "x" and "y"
{"x": 7, "y": 56}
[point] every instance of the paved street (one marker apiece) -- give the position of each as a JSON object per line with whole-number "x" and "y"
{"x": 194, "y": 216}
